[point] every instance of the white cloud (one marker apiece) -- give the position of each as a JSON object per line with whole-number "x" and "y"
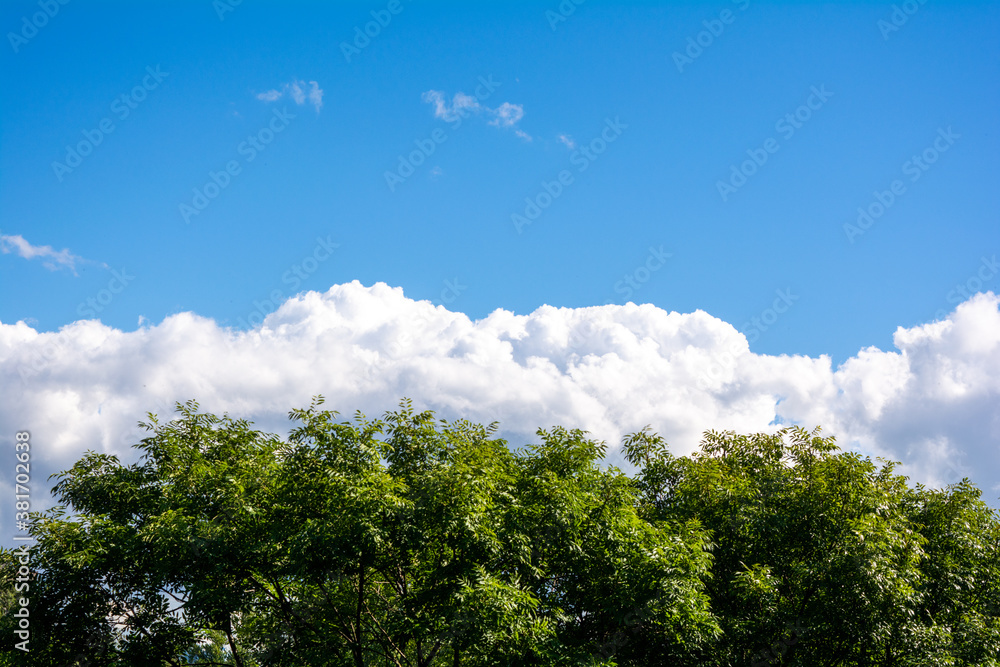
{"x": 461, "y": 105}
{"x": 296, "y": 92}
{"x": 52, "y": 259}
{"x": 462, "y": 102}
{"x": 506, "y": 115}
{"x": 436, "y": 97}
{"x": 567, "y": 141}
{"x": 270, "y": 96}
{"x": 931, "y": 403}
{"x": 315, "y": 96}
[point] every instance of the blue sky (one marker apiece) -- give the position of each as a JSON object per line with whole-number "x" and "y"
{"x": 700, "y": 215}
{"x": 656, "y": 185}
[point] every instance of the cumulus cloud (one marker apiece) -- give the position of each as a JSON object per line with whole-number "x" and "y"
{"x": 505, "y": 116}
{"x": 932, "y": 402}
{"x": 52, "y": 259}
{"x": 297, "y": 91}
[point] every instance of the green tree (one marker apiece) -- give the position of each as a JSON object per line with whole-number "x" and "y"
{"x": 824, "y": 558}
{"x": 417, "y": 542}
{"x": 399, "y": 541}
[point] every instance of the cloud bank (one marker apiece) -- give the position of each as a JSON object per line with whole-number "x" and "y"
{"x": 933, "y": 402}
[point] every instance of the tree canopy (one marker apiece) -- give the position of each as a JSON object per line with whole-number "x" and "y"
{"x": 411, "y": 541}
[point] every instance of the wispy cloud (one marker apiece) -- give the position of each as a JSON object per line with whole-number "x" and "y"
{"x": 567, "y": 141}
{"x": 436, "y": 97}
{"x": 297, "y": 91}
{"x": 316, "y": 96}
{"x": 52, "y": 259}
{"x": 297, "y": 94}
{"x": 506, "y": 115}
